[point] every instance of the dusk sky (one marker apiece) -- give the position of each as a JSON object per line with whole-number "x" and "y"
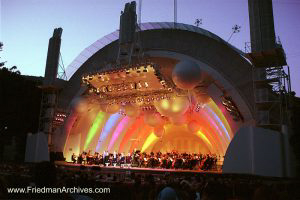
{"x": 27, "y": 25}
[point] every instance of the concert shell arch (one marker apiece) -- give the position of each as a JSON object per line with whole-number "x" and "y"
{"x": 208, "y": 129}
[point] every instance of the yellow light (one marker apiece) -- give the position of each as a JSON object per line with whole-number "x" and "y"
{"x": 139, "y": 85}
{"x": 176, "y": 108}
{"x": 165, "y": 104}
{"x": 131, "y": 85}
{"x": 150, "y": 139}
{"x": 202, "y": 136}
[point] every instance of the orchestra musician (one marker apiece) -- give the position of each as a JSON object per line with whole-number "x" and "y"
{"x": 106, "y": 157}
{"x": 74, "y": 158}
{"x": 173, "y": 160}
{"x": 122, "y": 159}
{"x": 95, "y": 158}
{"x": 114, "y": 157}
{"x": 83, "y": 155}
{"x": 128, "y": 158}
{"x": 100, "y": 159}
{"x": 89, "y": 157}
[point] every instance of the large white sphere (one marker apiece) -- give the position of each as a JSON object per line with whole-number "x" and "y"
{"x": 113, "y": 108}
{"x": 201, "y": 97}
{"x": 178, "y": 120}
{"x": 153, "y": 119}
{"x": 193, "y": 126}
{"x": 186, "y": 75}
{"x": 80, "y": 104}
{"x": 159, "y": 131}
{"x": 131, "y": 110}
{"x": 172, "y": 107}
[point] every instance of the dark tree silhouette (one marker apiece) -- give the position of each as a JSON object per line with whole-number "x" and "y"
{"x": 13, "y": 69}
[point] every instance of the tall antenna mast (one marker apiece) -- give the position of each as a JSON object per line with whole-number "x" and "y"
{"x": 175, "y": 11}
{"x": 235, "y": 29}
{"x": 140, "y": 13}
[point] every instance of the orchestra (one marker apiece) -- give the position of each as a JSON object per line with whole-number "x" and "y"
{"x": 172, "y": 160}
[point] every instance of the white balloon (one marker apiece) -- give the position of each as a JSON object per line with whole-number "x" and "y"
{"x": 186, "y": 75}
{"x": 131, "y": 110}
{"x": 113, "y": 108}
{"x": 80, "y": 104}
{"x": 178, "y": 120}
{"x": 159, "y": 131}
{"x": 201, "y": 97}
{"x": 173, "y": 107}
{"x": 153, "y": 119}
{"x": 193, "y": 126}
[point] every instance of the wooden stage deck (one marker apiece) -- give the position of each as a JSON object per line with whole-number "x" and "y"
{"x": 137, "y": 170}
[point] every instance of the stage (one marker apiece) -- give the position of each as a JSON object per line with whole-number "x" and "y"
{"x": 136, "y": 170}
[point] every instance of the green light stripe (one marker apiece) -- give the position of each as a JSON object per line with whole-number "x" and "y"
{"x": 93, "y": 130}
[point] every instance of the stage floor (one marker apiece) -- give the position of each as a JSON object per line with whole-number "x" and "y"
{"x": 118, "y": 169}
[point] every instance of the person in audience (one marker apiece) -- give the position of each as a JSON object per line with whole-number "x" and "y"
{"x": 143, "y": 185}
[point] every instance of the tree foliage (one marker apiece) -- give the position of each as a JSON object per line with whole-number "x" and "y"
{"x": 13, "y": 69}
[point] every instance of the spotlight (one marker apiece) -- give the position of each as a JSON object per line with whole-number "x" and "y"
{"x": 146, "y": 84}
{"x": 139, "y": 85}
{"x": 132, "y": 86}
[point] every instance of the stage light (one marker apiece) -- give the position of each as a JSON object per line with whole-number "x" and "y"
{"x": 165, "y": 104}
{"x": 139, "y": 85}
{"x": 132, "y": 86}
{"x": 150, "y": 139}
{"x": 199, "y": 133}
{"x": 146, "y": 84}
{"x": 96, "y": 124}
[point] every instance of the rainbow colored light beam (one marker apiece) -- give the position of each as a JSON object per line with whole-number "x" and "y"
{"x": 150, "y": 139}
{"x": 219, "y": 120}
{"x": 220, "y": 114}
{"x": 109, "y": 125}
{"x": 117, "y": 132}
{"x": 92, "y": 132}
{"x": 138, "y": 122}
{"x": 204, "y": 138}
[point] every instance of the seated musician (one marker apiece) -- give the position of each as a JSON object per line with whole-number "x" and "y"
{"x": 159, "y": 162}
{"x": 128, "y": 158}
{"x": 83, "y": 155}
{"x": 169, "y": 162}
{"x": 74, "y": 158}
{"x": 141, "y": 160}
{"x": 122, "y": 159}
{"x": 114, "y": 157}
{"x": 106, "y": 157}
{"x": 96, "y": 158}
{"x": 79, "y": 160}
{"x": 156, "y": 161}
{"x": 145, "y": 161}
{"x": 178, "y": 163}
{"x": 164, "y": 162}
{"x": 101, "y": 159}
{"x": 135, "y": 159}
{"x": 110, "y": 159}
{"x": 89, "y": 157}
